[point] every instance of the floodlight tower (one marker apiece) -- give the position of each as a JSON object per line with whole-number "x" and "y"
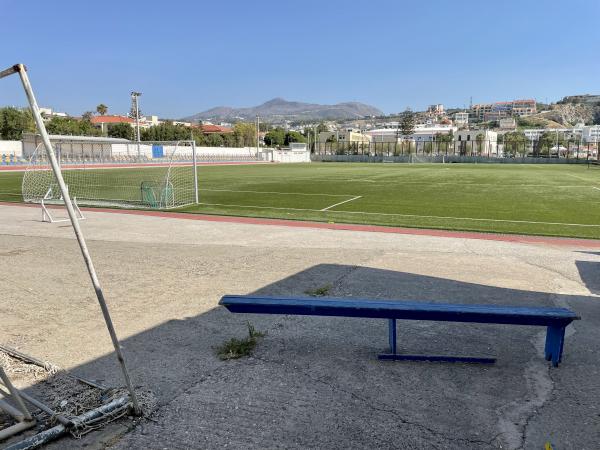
{"x": 135, "y": 108}
{"x": 257, "y": 135}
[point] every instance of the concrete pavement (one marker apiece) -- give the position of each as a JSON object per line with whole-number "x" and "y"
{"x": 313, "y": 382}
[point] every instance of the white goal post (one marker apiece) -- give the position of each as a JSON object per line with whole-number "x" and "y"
{"x": 53, "y": 163}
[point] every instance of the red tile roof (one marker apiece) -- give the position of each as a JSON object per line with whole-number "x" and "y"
{"x": 110, "y": 119}
{"x": 216, "y": 129}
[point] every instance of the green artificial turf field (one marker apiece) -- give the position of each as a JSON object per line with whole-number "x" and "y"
{"x": 560, "y": 200}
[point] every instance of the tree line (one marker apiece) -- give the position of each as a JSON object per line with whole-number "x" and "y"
{"x": 16, "y": 121}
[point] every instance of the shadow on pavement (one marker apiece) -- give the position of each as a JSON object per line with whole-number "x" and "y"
{"x": 315, "y": 381}
{"x": 590, "y": 275}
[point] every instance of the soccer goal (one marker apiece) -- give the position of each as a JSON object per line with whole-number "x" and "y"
{"x": 52, "y": 183}
{"x": 113, "y": 172}
{"x": 415, "y": 159}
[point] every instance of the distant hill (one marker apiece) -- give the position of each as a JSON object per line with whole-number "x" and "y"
{"x": 280, "y": 109}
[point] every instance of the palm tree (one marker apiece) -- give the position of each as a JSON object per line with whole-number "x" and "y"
{"x": 101, "y": 109}
{"x": 479, "y": 139}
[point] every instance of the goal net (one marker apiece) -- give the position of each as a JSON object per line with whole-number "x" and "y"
{"x": 113, "y": 173}
{"x": 415, "y": 159}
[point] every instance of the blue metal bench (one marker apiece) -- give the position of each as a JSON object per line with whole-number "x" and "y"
{"x": 555, "y": 319}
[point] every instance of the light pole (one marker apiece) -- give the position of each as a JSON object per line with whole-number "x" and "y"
{"x": 135, "y": 102}
{"x": 257, "y": 135}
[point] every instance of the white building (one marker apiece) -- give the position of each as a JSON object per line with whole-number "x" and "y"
{"x": 483, "y": 142}
{"x": 507, "y": 123}
{"x": 348, "y": 135}
{"x": 73, "y": 146}
{"x": 48, "y": 113}
{"x": 422, "y": 133}
{"x": 533, "y": 134}
{"x": 149, "y": 121}
{"x": 185, "y": 124}
{"x": 591, "y": 134}
{"x": 437, "y": 109}
{"x": 461, "y": 119}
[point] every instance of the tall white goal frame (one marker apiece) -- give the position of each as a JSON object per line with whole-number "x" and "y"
{"x": 35, "y": 110}
{"x": 158, "y": 175}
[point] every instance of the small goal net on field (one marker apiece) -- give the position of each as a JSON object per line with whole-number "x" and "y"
{"x": 101, "y": 173}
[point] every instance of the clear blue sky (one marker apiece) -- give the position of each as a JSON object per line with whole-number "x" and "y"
{"x": 188, "y": 56}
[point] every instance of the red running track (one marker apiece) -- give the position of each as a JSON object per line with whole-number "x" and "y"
{"x": 516, "y": 238}
{"x": 23, "y": 167}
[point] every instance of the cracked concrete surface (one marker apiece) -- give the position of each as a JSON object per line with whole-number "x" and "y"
{"x": 313, "y": 382}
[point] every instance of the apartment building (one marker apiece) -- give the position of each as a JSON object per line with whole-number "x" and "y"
{"x": 348, "y": 135}
{"x": 422, "y": 133}
{"x": 435, "y": 110}
{"x": 499, "y": 110}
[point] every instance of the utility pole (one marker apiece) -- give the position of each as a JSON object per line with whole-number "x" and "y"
{"x": 135, "y": 106}
{"x": 257, "y": 135}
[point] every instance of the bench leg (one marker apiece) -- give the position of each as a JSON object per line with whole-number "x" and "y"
{"x": 394, "y": 356}
{"x": 392, "y": 335}
{"x": 555, "y": 339}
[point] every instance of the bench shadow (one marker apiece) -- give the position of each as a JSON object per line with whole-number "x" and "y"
{"x": 177, "y": 356}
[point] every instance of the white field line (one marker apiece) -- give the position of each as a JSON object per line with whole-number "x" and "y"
{"x": 274, "y": 192}
{"x": 406, "y": 215}
{"x": 430, "y": 183}
{"x": 578, "y": 177}
{"x": 341, "y": 203}
{"x": 584, "y": 179}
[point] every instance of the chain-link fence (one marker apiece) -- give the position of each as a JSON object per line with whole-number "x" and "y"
{"x": 473, "y": 148}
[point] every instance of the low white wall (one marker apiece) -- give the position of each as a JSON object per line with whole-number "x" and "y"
{"x": 286, "y": 156}
{"x": 146, "y": 150}
{"x": 242, "y": 151}
{"x": 11, "y": 148}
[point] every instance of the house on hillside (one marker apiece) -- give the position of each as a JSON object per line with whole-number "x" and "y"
{"x": 103, "y": 122}
{"x": 212, "y": 129}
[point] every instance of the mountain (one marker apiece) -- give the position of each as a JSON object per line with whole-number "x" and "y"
{"x": 280, "y": 109}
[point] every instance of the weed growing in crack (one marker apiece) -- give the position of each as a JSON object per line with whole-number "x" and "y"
{"x": 236, "y": 348}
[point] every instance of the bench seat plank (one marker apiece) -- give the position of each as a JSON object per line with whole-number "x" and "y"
{"x": 399, "y": 309}
{"x": 555, "y": 319}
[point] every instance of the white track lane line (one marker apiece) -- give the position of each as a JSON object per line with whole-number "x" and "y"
{"x": 258, "y": 207}
{"x": 341, "y": 203}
